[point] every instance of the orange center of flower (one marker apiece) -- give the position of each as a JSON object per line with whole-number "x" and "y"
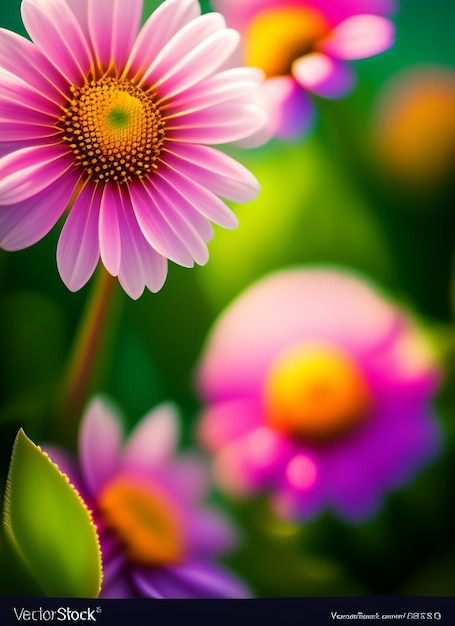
{"x": 144, "y": 520}
{"x": 114, "y": 129}
{"x": 276, "y": 37}
{"x": 315, "y": 394}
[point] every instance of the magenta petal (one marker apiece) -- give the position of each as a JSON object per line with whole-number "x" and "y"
{"x": 160, "y": 27}
{"x": 140, "y": 264}
{"x": 28, "y": 63}
{"x": 153, "y": 441}
{"x": 324, "y": 76}
{"x": 100, "y": 442}
{"x": 23, "y": 224}
{"x": 30, "y": 170}
{"x": 52, "y": 27}
{"x": 215, "y": 171}
{"x": 78, "y": 247}
{"x": 210, "y": 533}
{"x": 224, "y": 421}
{"x": 206, "y": 202}
{"x": 291, "y": 111}
{"x": 109, "y": 232}
{"x": 184, "y": 219}
{"x": 150, "y": 211}
{"x": 231, "y": 84}
{"x": 187, "y": 476}
{"x": 113, "y": 27}
{"x": 192, "y": 54}
{"x": 196, "y": 579}
{"x": 358, "y": 37}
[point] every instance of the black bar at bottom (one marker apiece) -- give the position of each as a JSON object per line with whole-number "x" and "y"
{"x": 371, "y": 610}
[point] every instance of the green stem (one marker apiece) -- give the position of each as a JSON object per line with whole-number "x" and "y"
{"x": 87, "y": 355}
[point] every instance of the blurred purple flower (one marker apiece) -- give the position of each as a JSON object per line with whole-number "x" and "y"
{"x": 107, "y": 120}
{"x": 157, "y": 537}
{"x": 303, "y": 46}
{"x": 318, "y": 390}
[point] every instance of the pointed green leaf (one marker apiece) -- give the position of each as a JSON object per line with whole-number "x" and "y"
{"x": 49, "y": 524}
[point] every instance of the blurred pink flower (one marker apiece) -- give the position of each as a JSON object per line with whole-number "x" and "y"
{"x": 157, "y": 537}
{"x": 303, "y": 46}
{"x": 318, "y": 390}
{"x": 107, "y": 120}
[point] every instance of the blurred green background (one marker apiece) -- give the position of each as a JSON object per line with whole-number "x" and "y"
{"x": 334, "y": 197}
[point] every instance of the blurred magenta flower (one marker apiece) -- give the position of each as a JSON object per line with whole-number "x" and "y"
{"x": 108, "y": 122}
{"x": 158, "y": 539}
{"x": 303, "y": 47}
{"x": 317, "y": 389}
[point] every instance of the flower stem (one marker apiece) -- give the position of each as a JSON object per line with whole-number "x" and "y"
{"x": 87, "y": 356}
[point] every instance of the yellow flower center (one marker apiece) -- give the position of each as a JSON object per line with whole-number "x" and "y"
{"x": 315, "y": 393}
{"x": 276, "y": 37}
{"x": 144, "y": 520}
{"x": 114, "y": 129}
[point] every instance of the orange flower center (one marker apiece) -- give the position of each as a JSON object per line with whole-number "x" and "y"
{"x": 144, "y": 520}
{"x": 114, "y": 129}
{"x": 276, "y": 37}
{"x": 315, "y": 393}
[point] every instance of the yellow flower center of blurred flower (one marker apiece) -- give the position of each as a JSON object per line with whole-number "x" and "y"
{"x": 315, "y": 393}
{"x": 276, "y": 37}
{"x": 144, "y": 520}
{"x": 114, "y": 129}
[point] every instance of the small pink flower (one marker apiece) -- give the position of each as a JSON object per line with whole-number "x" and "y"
{"x": 318, "y": 390}
{"x": 108, "y": 122}
{"x": 303, "y": 46}
{"x": 158, "y": 538}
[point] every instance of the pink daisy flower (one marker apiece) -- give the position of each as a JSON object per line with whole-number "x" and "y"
{"x": 318, "y": 390}
{"x": 108, "y": 122}
{"x": 304, "y": 47}
{"x": 158, "y": 538}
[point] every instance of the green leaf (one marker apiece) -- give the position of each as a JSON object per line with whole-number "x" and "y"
{"x": 49, "y": 525}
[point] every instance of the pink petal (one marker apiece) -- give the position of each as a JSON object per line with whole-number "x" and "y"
{"x": 153, "y": 441}
{"x": 53, "y": 28}
{"x": 100, "y": 441}
{"x": 206, "y": 202}
{"x": 150, "y": 212}
{"x": 219, "y": 127}
{"x": 113, "y": 27}
{"x": 109, "y": 232}
{"x": 358, "y": 37}
{"x": 78, "y": 247}
{"x": 223, "y": 86}
{"x": 28, "y": 171}
{"x": 13, "y": 88}
{"x": 28, "y": 64}
{"x": 161, "y": 26}
{"x": 291, "y": 112}
{"x": 186, "y": 62}
{"x": 227, "y": 420}
{"x": 23, "y": 224}
{"x": 323, "y": 75}
{"x": 25, "y": 122}
{"x": 214, "y": 170}
{"x": 140, "y": 264}
{"x": 191, "y": 227}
